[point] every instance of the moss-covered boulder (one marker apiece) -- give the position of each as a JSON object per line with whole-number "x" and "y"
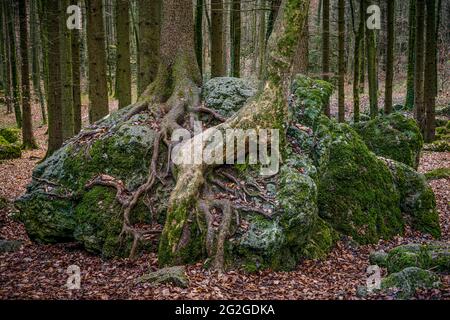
{"x": 417, "y": 199}
{"x": 431, "y": 256}
{"x": 9, "y": 150}
{"x": 404, "y": 284}
{"x": 226, "y": 95}
{"x": 171, "y": 275}
{"x": 357, "y": 193}
{"x": 12, "y": 135}
{"x": 59, "y": 207}
{"x": 394, "y": 136}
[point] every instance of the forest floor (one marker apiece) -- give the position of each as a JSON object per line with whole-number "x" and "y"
{"x": 38, "y": 271}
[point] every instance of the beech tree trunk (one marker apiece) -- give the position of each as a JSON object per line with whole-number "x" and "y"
{"x": 217, "y": 55}
{"x": 123, "y": 67}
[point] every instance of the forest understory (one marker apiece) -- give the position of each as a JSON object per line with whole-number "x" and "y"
{"x": 39, "y": 271}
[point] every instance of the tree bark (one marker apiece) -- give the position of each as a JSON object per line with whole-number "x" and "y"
{"x": 326, "y": 48}
{"x": 409, "y": 103}
{"x": 235, "y": 30}
{"x": 430, "y": 84}
{"x": 341, "y": 63}
{"x": 419, "y": 75}
{"x": 98, "y": 90}
{"x": 389, "y": 56}
{"x": 372, "y": 69}
{"x": 28, "y": 141}
{"x": 123, "y": 68}
{"x": 76, "y": 78}
{"x": 217, "y": 49}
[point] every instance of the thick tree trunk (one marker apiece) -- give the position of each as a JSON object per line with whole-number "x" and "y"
{"x": 55, "y": 138}
{"x": 269, "y": 110}
{"x": 217, "y": 56}
{"x": 409, "y": 103}
{"x": 430, "y": 84}
{"x": 27, "y": 125}
{"x": 123, "y": 68}
{"x": 341, "y": 63}
{"x": 326, "y": 47}
{"x": 76, "y": 78}
{"x": 419, "y": 76}
{"x": 149, "y": 40}
{"x": 301, "y": 61}
{"x": 389, "y": 56}
{"x": 98, "y": 90}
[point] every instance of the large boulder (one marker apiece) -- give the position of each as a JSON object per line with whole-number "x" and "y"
{"x": 227, "y": 95}
{"x": 357, "y": 192}
{"x": 417, "y": 199}
{"x": 404, "y": 284}
{"x": 433, "y": 255}
{"x": 57, "y": 205}
{"x": 394, "y": 136}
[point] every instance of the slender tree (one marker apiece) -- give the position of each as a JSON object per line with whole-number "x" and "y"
{"x": 419, "y": 68}
{"x": 409, "y": 103}
{"x": 358, "y": 65}
{"x": 389, "y": 56}
{"x": 13, "y": 63}
{"x": 27, "y": 125}
{"x": 76, "y": 77}
{"x": 123, "y": 68}
{"x": 341, "y": 63}
{"x": 199, "y": 33}
{"x": 326, "y": 47}
{"x": 372, "y": 69}
{"x": 149, "y": 41}
{"x": 98, "y": 90}
{"x": 66, "y": 74}
{"x": 262, "y": 38}
{"x": 217, "y": 43}
{"x": 235, "y": 30}
{"x": 430, "y": 77}
{"x": 7, "y": 55}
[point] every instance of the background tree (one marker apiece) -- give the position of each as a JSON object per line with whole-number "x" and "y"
{"x": 217, "y": 43}
{"x": 372, "y": 73}
{"x": 419, "y": 68}
{"x": 76, "y": 77}
{"x": 341, "y": 45}
{"x": 235, "y": 30}
{"x": 389, "y": 56}
{"x": 27, "y": 126}
{"x": 98, "y": 90}
{"x": 149, "y": 40}
{"x": 409, "y": 103}
{"x": 123, "y": 68}
{"x": 430, "y": 84}
{"x": 326, "y": 47}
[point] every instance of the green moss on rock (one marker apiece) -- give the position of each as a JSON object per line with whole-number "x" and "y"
{"x": 405, "y": 283}
{"x": 439, "y": 173}
{"x": 432, "y": 256}
{"x": 12, "y": 135}
{"x": 393, "y": 136}
{"x": 417, "y": 199}
{"x": 357, "y": 195}
{"x": 9, "y": 150}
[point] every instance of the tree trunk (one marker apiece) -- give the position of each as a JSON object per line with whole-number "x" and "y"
{"x": 389, "y": 56}
{"x": 199, "y": 33}
{"x": 217, "y": 49}
{"x": 419, "y": 75}
{"x": 149, "y": 40}
{"x": 76, "y": 78}
{"x": 372, "y": 70}
{"x": 341, "y": 63}
{"x": 358, "y": 64}
{"x": 13, "y": 62}
{"x": 235, "y": 30}
{"x": 27, "y": 124}
{"x": 54, "y": 98}
{"x": 326, "y": 48}
{"x": 123, "y": 68}
{"x": 301, "y": 61}
{"x": 98, "y": 90}
{"x": 261, "y": 38}
{"x": 430, "y": 84}
{"x": 66, "y": 75}
{"x": 7, "y": 54}
{"x": 409, "y": 103}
